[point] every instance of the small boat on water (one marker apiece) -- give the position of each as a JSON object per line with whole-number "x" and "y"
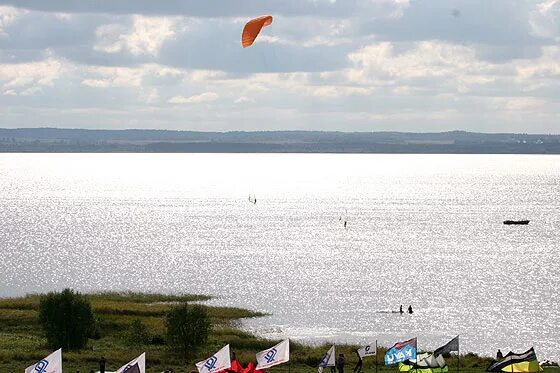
{"x": 516, "y": 222}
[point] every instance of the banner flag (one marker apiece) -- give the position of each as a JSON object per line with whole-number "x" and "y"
{"x": 452, "y": 345}
{"x": 50, "y": 364}
{"x": 137, "y": 365}
{"x": 328, "y": 359}
{"x": 401, "y": 351}
{"x": 219, "y": 361}
{"x": 512, "y": 362}
{"x": 368, "y": 350}
{"x": 273, "y": 356}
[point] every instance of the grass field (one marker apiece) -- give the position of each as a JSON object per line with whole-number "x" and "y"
{"x": 22, "y": 342}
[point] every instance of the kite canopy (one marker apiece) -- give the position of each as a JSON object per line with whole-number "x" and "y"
{"x": 525, "y": 362}
{"x": 252, "y": 29}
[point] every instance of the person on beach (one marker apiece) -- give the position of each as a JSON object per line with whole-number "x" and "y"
{"x": 410, "y": 309}
{"x": 401, "y": 310}
{"x": 340, "y": 363}
{"x": 358, "y": 367}
{"x": 499, "y": 355}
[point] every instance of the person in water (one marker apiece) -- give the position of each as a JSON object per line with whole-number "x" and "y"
{"x": 401, "y": 310}
{"x": 410, "y": 309}
{"x": 358, "y": 367}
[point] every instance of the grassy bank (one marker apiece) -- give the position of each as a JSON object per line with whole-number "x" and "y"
{"x": 22, "y": 342}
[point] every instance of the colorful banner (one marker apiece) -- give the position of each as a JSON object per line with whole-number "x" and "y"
{"x": 401, "y": 351}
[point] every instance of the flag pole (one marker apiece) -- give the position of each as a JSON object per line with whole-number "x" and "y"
{"x": 458, "y": 354}
{"x": 416, "y": 363}
{"x": 376, "y": 356}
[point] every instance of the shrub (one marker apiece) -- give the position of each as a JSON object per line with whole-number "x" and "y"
{"x": 138, "y": 334}
{"x": 66, "y": 319}
{"x": 188, "y": 327}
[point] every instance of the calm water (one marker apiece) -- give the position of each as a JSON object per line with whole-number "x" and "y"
{"x": 424, "y": 230}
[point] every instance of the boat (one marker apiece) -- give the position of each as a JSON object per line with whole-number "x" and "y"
{"x": 516, "y": 222}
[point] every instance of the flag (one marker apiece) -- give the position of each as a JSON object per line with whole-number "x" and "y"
{"x": 50, "y": 364}
{"x": 137, "y": 365}
{"x": 452, "y": 345}
{"x": 368, "y": 350}
{"x": 328, "y": 359}
{"x": 220, "y": 361}
{"x": 273, "y": 356}
{"x": 401, "y": 351}
{"x": 512, "y": 362}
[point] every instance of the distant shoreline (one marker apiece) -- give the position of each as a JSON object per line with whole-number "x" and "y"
{"x": 55, "y": 140}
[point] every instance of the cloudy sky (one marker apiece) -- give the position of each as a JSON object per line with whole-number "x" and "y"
{"x": 348, "y": 65}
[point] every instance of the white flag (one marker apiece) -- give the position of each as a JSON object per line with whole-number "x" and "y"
{"x": 50, "y": 364}
{"x": 220, "y": 361}
{"x": 328, "y": 359}
{"x": 137, "y": 365}
{"x": 273, "y": 356}
{"x": 368, "y": 350}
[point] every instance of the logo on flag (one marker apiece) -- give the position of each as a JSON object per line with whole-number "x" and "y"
{"x": 53, "y": 362}
{"x": 269, "y": 357}
{"x": 368, "y": 350}
{"x": 219, "y": 361}
{"x": 273, "y": 356}
{"x": 41, "y": 366}
{"x": 211, "y": 363}
{"x": 401, "y": 351}
{"x": 137, "y": 365}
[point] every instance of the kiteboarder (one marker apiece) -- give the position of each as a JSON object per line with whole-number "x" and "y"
{"x": 401, "y": 310}
{"x": 410, "y": 309}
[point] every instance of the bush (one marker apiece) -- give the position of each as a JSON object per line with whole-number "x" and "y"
{"x": 66, "y": 319}
{"x": 188, "y": 327}
{"x": 138, "y": 334}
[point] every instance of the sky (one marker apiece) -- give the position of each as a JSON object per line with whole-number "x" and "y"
{"x": 343, "y": 65}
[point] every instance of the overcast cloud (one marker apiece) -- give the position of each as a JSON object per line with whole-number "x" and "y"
{"x": 348, "y": 65}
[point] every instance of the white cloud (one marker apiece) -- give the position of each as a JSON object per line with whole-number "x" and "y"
{"x": 8, "y": 15}
{"x": 244, "y": 100}
{"x": 109, "y": 38}
{"x": 545, "y": 19}
{"x": 145, "y": 37}
{"x": 96, "y": 83}
{"x": 27, "y": 77}
{"x": 201, "y": 98}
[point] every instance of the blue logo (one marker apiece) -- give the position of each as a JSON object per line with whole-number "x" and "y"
{"x": 211, "y": 363}
{"x": 41, "y": 366}
{"x": 270, "y": 355}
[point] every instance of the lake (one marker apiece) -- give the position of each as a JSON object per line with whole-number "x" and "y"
{"x": 422, "y": 230}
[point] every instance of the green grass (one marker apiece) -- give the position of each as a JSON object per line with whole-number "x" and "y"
{"x": 22, "y": 342}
